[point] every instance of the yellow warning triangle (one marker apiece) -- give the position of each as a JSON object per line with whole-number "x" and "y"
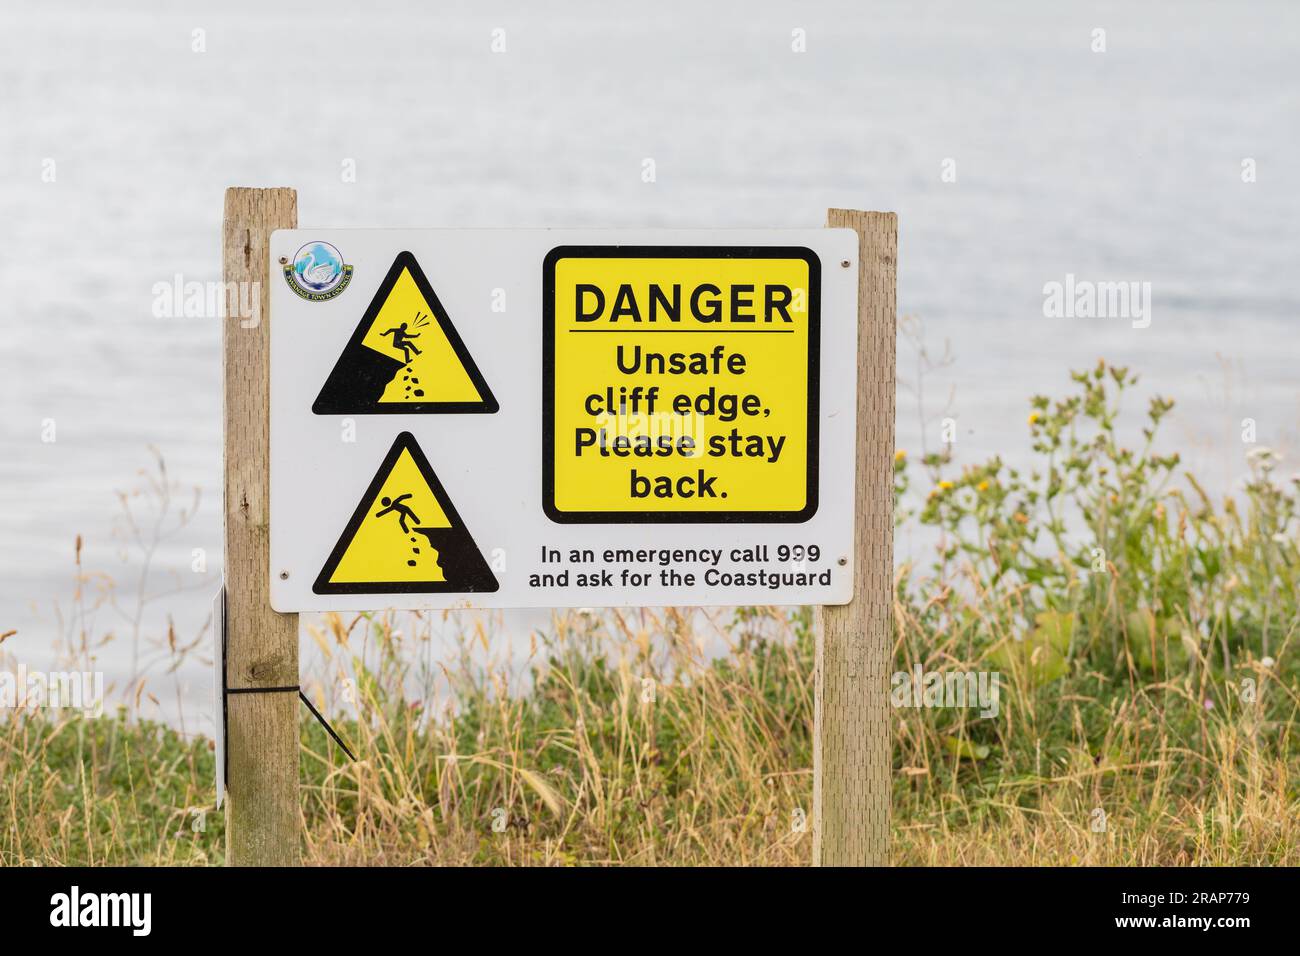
{"x": 405, "y": 536}
{"x": 405, "y": 356}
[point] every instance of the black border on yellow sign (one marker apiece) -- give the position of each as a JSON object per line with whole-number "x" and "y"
{"x": 548, "y": 383}
{"x": 479, "y": 576}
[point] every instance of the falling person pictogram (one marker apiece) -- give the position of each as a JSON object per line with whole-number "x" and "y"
{"x": 405, "y": 536}
{"x": 382, "y": 369}
{"x": 396, "y": 505}
{"x": 404, "y": 340}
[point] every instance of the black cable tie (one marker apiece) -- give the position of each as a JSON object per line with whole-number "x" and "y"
{"x": 303, "y": 697}
{"x": 324, "y": 723}
{"x": 262, "y": 690}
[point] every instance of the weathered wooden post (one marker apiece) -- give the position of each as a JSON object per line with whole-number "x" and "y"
{"x": 852, "y": 742}
{"x": 263, "y": 817}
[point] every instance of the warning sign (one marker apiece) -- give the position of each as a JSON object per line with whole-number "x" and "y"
{"x": 666, "y": 417}
{"x": 405, "y": 356}
{"x": 405, "y": 536}
{"x": 680, "y": 384}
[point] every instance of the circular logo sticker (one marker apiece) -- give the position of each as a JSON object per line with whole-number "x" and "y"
{"x": 318, "y": 272}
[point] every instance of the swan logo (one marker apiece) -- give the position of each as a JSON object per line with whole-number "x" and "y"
{"x": 318, "y": 272}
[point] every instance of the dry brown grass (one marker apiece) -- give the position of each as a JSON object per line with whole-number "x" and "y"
{"x": 1147, "y": 712}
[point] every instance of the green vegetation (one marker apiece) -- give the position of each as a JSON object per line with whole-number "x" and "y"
{"x": 1144, "y": 634}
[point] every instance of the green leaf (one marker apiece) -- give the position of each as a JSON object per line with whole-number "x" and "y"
{"x": 1040, "y": 657}
{"x": 964, "y": 749}
{"x": 1055, "y": 628}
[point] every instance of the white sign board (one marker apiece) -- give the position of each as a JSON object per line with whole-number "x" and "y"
{"x": 562, "y": 418}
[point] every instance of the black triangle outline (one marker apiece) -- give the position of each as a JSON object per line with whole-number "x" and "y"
{"x": 487, "y": 404}
{"x": 405, "y": 442}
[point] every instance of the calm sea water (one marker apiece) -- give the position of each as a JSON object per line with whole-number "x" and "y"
{"x": 1122, "y": 165}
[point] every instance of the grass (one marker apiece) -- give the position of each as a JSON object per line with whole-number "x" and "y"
{"x": 1145, "y": 636}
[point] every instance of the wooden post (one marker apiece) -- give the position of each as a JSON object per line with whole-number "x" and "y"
{"x": 263, "y": 817}
{"x": 852, "y": 744}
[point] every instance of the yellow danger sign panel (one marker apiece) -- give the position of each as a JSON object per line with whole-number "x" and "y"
{"x": 405, "y": 356}
{"x": 405, "y": 536}
{"x": 680, "y": 384}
